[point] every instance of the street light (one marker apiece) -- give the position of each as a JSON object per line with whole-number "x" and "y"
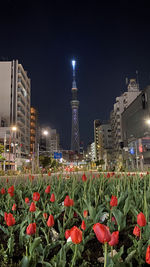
{"x": 13, "y": 129}
{"x": 44, "y": 132}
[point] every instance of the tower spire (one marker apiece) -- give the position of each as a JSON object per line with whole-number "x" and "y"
{"x": 75, "y": 106}
{"x": 74, "y": 74}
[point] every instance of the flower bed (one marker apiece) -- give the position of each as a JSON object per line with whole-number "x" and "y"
{"x": 94, "y": 221}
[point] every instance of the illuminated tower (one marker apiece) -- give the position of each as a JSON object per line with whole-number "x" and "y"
{"x": 75, "y": 123}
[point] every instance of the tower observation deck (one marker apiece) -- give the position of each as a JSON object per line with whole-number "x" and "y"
{"x": 75, "y": 106}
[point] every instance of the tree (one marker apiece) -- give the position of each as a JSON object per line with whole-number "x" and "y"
{"x": 100, "y": 162}
{"x": 1, "y": 151}
{"x": 45, "y": 161}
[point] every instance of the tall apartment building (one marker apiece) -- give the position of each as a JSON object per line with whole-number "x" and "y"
{"x": 15, "y": 104}
{"x": 93, "y": 156}
{"x": 96, "y": 141}
{"x": 122, "y": 102}
{"x": 33, "y": 130}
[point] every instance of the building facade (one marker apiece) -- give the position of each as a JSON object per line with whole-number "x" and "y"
{"x": 15, "y": 90}
{"x": 93, "y": 154}
{"x": 136, "y": 132}
{"x": 122, "y": 102}
{"x": 96, "y": 139}
{"x": 105, "y": 144}
{"x": 49, "y": 143}
{"x": 33, "y": 130}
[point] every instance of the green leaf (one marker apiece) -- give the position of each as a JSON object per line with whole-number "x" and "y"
{"x": 35, "y": 244}
{"x": 126, "y": 206}
{"x": 46, "y": 236}
{"x": 120, "y": 218}
{"x": 25, "y": 262}
{"x": 45, "y": 263}
{"x": 10, "y": 244}
{"x": 118, "y": 255}
{"x": 4, "y": 230}
{"x": 130, "y": 256}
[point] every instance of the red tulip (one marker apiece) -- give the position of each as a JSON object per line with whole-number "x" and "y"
{"x": 14, "y": 207}
{"x": 68, "y": 202}
{"x": 9, "y": 219}
{"x": 83, "y": 226}
{"x": 114, "y": 238}
{"x": 136, "y": 231}
{"x": 32, "y": 207}
{"x": 47, "y": 190}
{"x": 3, "y": 191}
{"x": 50, "y": 221}
{"x": 11, "y": 191}
{"x": 67, "y": 233}
{"x": 31, "y": 229}
{"x": 52, "y": 198}
{"x": 148, "y": 255}
{"x": 27, "y": 200}
{"x": 84, "y": 178}
{"x": 102, "y": 232}
{"x": 36, "y": 196}
{"x": 113, "y": 201}
{"x": 141, "y": 221}
{"x": 108, "y": 175}
{"x": 45, "y": 215}
{"x": 85, "y": 213}
{"x": 76, "y": 235}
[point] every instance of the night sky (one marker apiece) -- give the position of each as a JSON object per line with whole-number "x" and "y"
{"x": 109, "y": 41}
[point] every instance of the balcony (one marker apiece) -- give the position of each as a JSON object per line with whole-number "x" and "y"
{"x": 20, "y": 110}
{"x": 19, "y": 119}
{"x": 20, "y": 100}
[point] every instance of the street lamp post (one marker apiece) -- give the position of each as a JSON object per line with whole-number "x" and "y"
{"x": 14, "y": 129}
{"x": 44, "y": 132}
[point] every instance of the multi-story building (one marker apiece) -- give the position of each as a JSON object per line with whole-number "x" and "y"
{"x": 136, "y": 132}
{"x": 93, "y": 156}
{"x": 33, "y": 130}
{"x": 122, "y": 102}
{"x": 49, "y": 141}
{"x": 105, "y": 144}
{"x": 96, "y": 139}
{"x": 15, "y": 105}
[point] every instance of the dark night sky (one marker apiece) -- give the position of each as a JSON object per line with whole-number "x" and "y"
{"x": 109, "y": 41}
